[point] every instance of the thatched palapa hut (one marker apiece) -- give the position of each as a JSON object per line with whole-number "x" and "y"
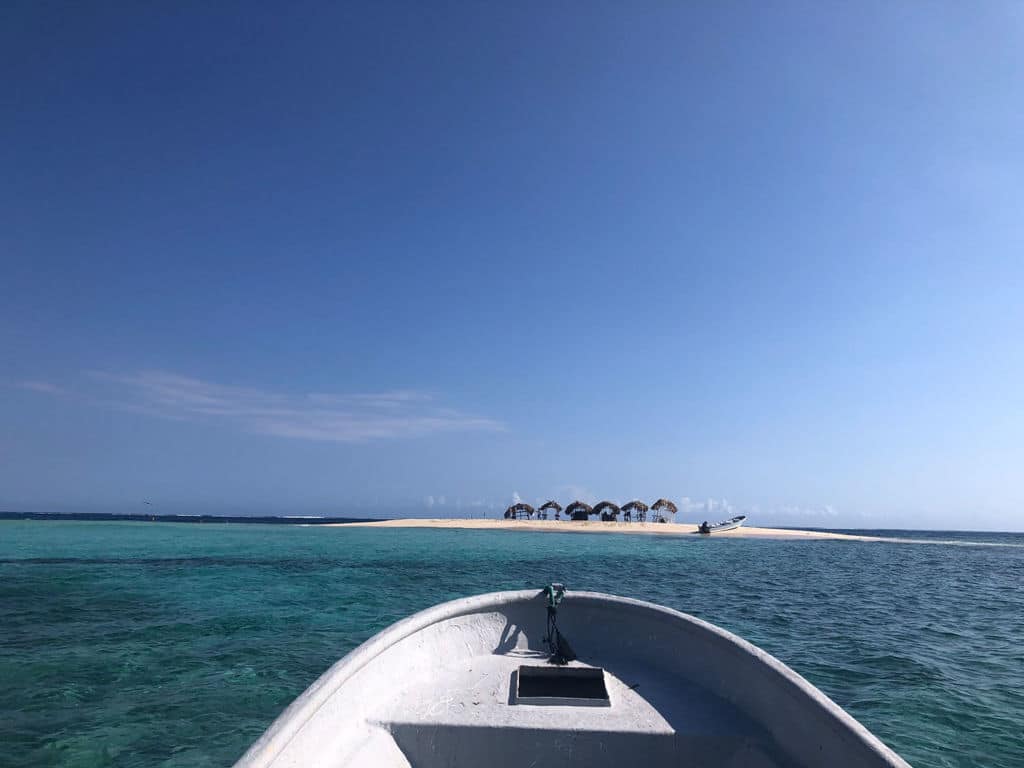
{"x": 519, "y": 511}
{"x": 579, "y": 510}
{"x": 661, "y": 506}
{"x": 635, "y": 507}
{"x": 550, "y": 505}
{"x": 608, "y": 511}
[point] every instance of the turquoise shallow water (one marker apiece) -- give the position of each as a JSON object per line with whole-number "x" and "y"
{"x": 136, "y": 644}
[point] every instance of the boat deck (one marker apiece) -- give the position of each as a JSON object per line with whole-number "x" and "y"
{"x": 468, "y": 712}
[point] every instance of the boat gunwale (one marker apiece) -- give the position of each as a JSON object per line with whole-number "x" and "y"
{"x": 284, "y": 728}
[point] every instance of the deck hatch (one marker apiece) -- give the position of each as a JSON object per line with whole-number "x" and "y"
{"x": 561, "y": 686}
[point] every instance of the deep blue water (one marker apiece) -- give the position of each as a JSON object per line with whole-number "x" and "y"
{"x": 134, "y": 644}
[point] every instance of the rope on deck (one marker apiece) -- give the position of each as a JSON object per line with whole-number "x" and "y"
{"x": 561, "y": 652}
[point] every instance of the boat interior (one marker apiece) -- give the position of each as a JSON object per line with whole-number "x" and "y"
{"x": 475, "y": 688}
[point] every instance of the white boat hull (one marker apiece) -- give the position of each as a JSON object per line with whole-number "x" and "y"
{"x": 725, "y": 525}
{"x": 439, "y": 689}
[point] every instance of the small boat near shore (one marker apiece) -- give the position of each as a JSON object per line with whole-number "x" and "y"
{"x": 494, "y": 681}
{"x": 724, "y": 525}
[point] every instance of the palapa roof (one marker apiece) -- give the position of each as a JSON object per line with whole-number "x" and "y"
{"x": 636, "y": 504}
{"x": 665, "y": 504}
{"x": 520, "y": 507}
{"x": 551, "y": 505}
{"x": 606, "y": 506}
{"x": 579, "y": 506}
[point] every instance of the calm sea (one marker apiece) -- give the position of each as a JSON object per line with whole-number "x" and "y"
{"x": 135, "y": 644}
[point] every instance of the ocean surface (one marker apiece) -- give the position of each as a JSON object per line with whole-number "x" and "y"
{"x": 134, "y": 644}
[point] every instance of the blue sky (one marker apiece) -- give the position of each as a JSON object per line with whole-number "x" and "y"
{"x": 396, "y": 257}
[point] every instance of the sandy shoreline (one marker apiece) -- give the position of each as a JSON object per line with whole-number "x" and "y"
{"x": 595, "y": 526}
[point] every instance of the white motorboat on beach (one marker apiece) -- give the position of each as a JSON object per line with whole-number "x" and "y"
{"x": 724, "y": 525}
{"x": 472, "y": 683}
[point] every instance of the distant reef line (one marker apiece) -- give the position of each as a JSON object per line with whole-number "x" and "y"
{"x": 105, "y": 517}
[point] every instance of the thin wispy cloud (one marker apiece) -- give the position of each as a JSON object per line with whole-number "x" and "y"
{"x": 315, "y": 416}
{"x": 44, "y": 387}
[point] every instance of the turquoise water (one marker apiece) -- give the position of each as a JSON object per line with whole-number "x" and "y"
{"x": 136, "y": 644}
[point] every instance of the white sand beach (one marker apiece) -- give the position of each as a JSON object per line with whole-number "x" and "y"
{"x": 595, "y": 526}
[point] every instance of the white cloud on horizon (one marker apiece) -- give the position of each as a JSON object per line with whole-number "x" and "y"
{"x": 797, "y": 512}
{"x": 690, "y": 510}
{"x": 319, "y": 417}
{"x": 794, "y": 514}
